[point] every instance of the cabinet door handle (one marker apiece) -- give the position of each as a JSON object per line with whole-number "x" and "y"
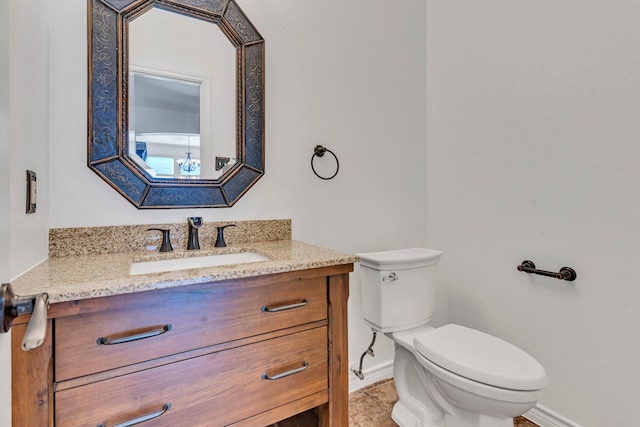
{"x": 284, "y": 307}
{"x": 134, "y": 337}
{"x": 141, "y": 419}
{"x": 304, "y": 366}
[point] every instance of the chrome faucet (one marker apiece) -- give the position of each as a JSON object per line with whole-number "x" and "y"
{"x": 194, "y": 223}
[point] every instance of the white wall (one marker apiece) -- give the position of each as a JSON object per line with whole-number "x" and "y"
{"x": 533, "y": 126}
{"x": 347, "y": 75}
{"x": 5, "y": 340}
{"x": 28, "y": 131}
{"x": 24, "y": 97}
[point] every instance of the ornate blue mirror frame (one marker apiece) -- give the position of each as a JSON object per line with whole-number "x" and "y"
{"x": 108, "y": 105}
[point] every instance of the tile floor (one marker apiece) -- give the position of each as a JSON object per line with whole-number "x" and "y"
{"x": 371, "y": 407}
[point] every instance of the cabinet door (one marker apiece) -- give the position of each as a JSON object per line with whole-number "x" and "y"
{"x": 211, "y": 390}
{"x": 149, "y": 325}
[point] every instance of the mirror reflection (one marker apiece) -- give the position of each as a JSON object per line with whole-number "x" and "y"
{"x": 181, "y": 97}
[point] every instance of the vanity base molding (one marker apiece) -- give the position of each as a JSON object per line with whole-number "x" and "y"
{"x": 242, "y": 352}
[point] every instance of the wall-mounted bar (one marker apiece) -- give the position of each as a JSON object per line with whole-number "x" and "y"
{"x": 565, "y": 273}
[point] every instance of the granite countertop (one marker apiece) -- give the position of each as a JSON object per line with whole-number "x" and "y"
{"x": 88, "y": 276}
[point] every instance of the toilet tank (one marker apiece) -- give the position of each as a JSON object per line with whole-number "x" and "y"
{"x": 398, "y": 288}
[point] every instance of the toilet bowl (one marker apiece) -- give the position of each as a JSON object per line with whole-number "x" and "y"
{"x": 450, "y": 376}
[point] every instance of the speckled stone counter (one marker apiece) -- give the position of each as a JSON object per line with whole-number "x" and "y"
{"x": 74, "y": 277}
{"x": 127, "y": 238}
{"x": 90, "y": 276}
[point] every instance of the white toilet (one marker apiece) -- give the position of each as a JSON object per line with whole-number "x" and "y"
{"x": 451, "y": 376}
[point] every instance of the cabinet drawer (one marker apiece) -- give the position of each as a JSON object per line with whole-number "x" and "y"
{"x": 211, "y": 390}
{"x": 154, "y": 324}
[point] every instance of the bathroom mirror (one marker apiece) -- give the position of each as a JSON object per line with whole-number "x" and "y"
{"x": 176, "y": 101}
{"x": 181, "y": 103}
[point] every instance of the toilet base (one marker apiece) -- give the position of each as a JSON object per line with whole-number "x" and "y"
{"x": 421, "y": 401}
{"x": 405, "y": 418}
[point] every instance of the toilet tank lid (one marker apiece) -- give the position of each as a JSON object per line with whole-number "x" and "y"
{"x": 400, "y": 258}
{"x": 481, "y": 357}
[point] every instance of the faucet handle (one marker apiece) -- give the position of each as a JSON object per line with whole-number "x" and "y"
{"x": 166, "y": 239}
{"x": 220, "y": 243}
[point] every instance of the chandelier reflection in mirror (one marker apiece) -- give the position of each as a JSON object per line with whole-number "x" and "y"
{"x": 188, "y": 164}
{"x": 164, "y": 115}
{"x": 168, "y": 154}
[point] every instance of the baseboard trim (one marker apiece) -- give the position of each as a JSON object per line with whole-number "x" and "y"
{"x": 371, "y": 376}
{"x": 545, "y": 417}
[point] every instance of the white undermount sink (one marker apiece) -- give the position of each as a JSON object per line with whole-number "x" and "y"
{"x": 146, "y": 267}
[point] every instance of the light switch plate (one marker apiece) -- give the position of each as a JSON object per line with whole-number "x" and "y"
{"x": 31, "y": 191}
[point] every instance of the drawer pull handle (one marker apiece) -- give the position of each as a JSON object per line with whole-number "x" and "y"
{"x": 141, "y": 419}
{"x": 304, "y": 366}
{"x": 135, "y": 337}
{"x": 266, "y": 309}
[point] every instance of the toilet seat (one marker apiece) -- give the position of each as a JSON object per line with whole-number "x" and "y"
{"x": 481, "y": 357}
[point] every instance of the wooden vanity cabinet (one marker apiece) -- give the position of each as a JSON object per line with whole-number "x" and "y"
{"x": 242, "y": 352}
